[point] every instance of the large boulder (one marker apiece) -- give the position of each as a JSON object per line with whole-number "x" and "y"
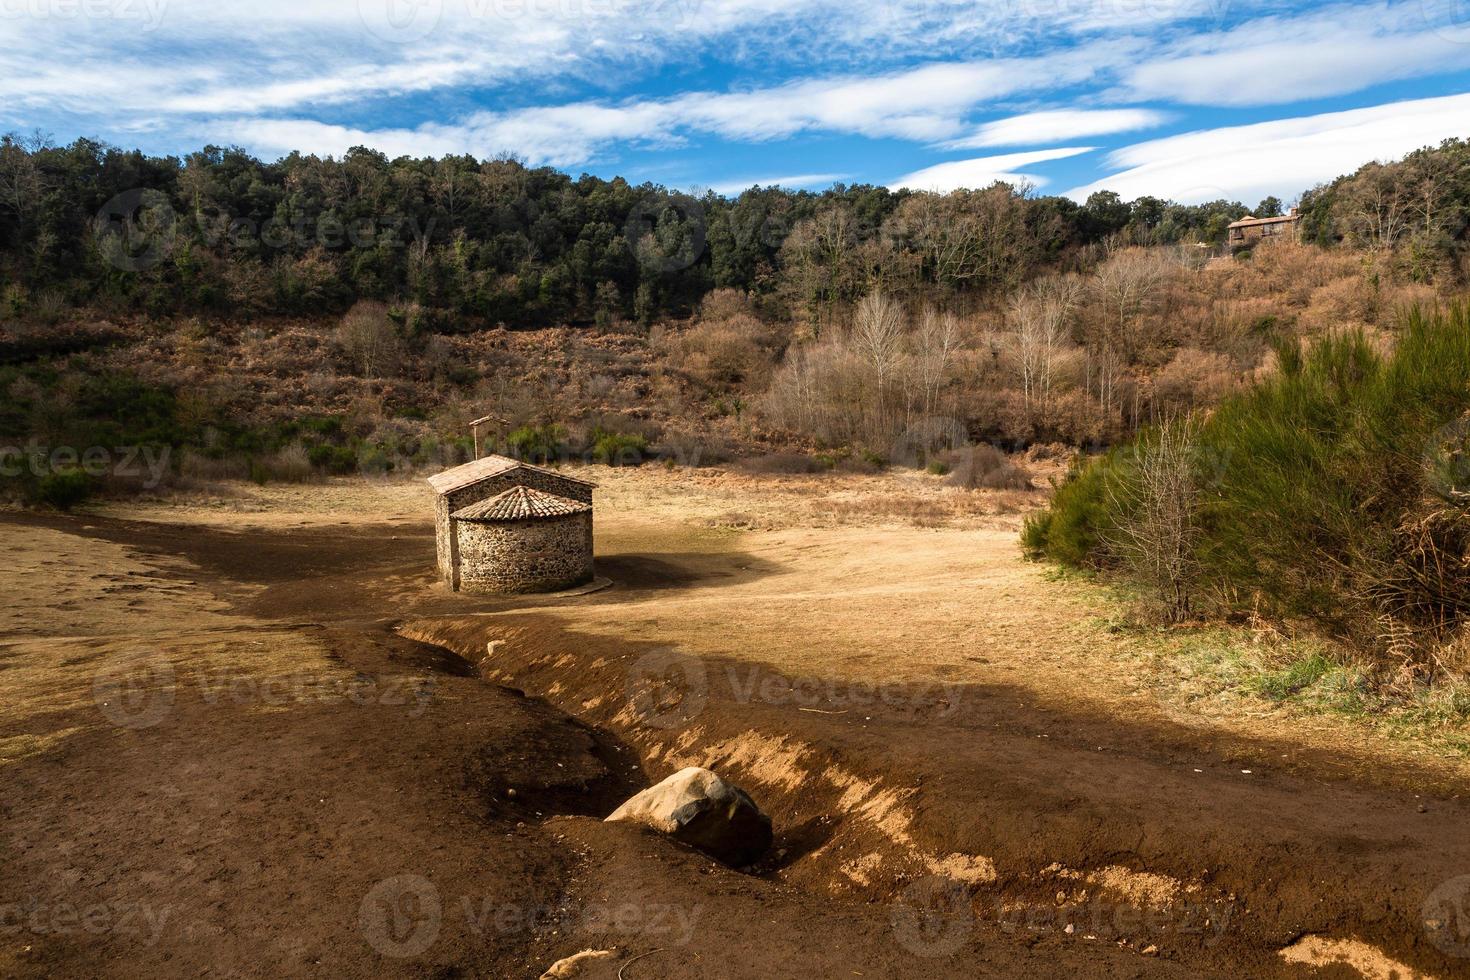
{"x": 702, "y": 810}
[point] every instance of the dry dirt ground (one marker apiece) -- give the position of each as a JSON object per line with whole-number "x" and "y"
{"x": 245, "y": 733}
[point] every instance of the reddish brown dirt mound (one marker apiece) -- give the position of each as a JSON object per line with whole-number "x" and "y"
{"x": 1045, "y": 821}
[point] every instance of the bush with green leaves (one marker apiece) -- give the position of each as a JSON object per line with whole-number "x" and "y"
{"x": 618, "y": 448}
{"x": 1335, "y": 491}
{"x": 62, "y": 489}
{"x": 1079, "y": 519}
{"x": 538, "y": 443}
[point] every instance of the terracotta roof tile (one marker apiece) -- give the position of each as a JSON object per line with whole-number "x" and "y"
{"x": 520, "y": 504}
{"x": 458, "y": 477}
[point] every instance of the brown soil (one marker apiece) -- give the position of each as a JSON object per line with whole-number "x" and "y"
{"x": 251, "y": 741}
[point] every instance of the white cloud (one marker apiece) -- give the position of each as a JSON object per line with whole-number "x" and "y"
{"x": 560, "y": 136}
{"x": 278, "y": 137}
{"x": 1281, "y": 157}
{"x": 983, "y": 171}
{"x": 207, "y": 57}
{"x": 1082, "y": 17}
{"x": 734, "y": 187}
{"x": 1276, "y": 60}
{"x": 929, "y": 102}
{"x": 926, "y": 103}
{"x": 1059, "y": 125}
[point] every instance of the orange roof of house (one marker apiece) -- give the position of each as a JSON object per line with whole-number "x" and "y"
{"x": 484, "y": 468}
{"x": 520, "y": 504}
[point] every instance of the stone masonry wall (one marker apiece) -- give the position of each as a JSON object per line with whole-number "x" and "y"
{"x": 525, "y": 556}
{"x": 444, "y": 541}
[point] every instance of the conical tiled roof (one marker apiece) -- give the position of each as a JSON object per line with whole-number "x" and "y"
{"x": 520, "y": 504}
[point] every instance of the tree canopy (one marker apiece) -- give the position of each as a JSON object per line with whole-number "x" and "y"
{"x": 497, "y": 242}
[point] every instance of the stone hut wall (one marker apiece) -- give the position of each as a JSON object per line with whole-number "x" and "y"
{"x": 444, "y": 541}
{"x": 447, "y": 542}
{"x": 525, "y": 556}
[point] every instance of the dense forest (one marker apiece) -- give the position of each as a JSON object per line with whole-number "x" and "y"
{"x": 482, "y": 243}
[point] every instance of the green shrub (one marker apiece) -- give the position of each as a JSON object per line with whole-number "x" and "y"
{"x": 618, "y": 448}
{"x": 374, "y": 461}
{"x": 1340, "y": 497}
{"x": 1073, "y": 528}
{"x": 1336, "y": 490}
{"x": 62, "y": 489}
{"x": 336, "y": 460}
{"x": 1294, "y": 677}
{"x": 537, "y": 443}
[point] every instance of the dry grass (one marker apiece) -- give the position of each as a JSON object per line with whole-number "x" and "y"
{"x": 947, "y": 510}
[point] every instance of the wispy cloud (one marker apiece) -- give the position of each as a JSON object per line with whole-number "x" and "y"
{"x": 1277, "y": 60}
{"x": 927, "y": 103}
{"x": 202, "y": 56}
{"x": 983, "y": 171}
{"x": 1280, "y": 157}
{"x": 1058, "y": 126}
{"x": 799, "y": 181}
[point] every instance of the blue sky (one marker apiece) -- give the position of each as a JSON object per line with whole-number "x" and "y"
{"x": 1187, "y": 99}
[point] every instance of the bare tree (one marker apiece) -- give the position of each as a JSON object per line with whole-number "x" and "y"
{"x": 1158, "y": 530}
{"x": 1124, "y": 285}
{"x": 1042, "y": 315}
{"x": 968, "y": 237}
{"x": 370, "y": 339}
{"x": 450, "y": 185}
{"x": 936, "y": 343}
{"x": 1377, "y": 207}
{"x": 21, "y": 180}
{"x": 877, "y": 337}
{"x": 822, "y": 262}
{"x": 864, "y": 385}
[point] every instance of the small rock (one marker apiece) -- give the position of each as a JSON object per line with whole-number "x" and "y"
{"x": 572, "y": 965}
{"x": 700, "y": 809}
{"x": 1150, "y": 950}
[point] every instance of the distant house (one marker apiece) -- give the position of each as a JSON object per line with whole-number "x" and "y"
{"x": 1249, "y": 230}
{"x": 504, "y": 526}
